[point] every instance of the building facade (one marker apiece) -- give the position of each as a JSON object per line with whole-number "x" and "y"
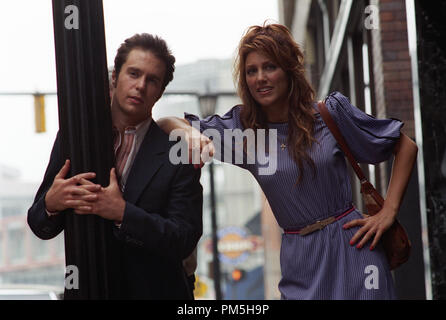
{"x": 24, "y": 258}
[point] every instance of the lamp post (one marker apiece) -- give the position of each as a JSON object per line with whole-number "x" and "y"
{"x": 86, "y": 139}
{"x": 207, "y": 104}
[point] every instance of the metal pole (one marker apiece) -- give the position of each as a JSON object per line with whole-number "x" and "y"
{"x": 86, "y": 135}
{"x": 421, "y": 165}
{"x": 215, "y": 258}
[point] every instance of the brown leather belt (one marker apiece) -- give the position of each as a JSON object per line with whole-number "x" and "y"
{"x": 318, "y": 225}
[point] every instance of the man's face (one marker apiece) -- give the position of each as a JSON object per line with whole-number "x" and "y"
{"x": 138, "y": 86}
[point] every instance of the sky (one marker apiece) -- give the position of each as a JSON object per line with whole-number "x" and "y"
{"x": 194, "y": 30}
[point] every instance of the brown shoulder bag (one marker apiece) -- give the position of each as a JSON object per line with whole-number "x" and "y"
{"x": 395, "y": 240}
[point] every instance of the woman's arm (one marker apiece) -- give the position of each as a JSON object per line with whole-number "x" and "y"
{"x": 198, "y": 144}
{"x": 405, "y": 155}
{"x": 169, "y": 124}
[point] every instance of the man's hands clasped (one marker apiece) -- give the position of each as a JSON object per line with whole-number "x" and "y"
{"x": 84, "y": 196}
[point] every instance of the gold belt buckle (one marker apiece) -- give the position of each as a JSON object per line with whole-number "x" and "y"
{"x": 319, "y": 225}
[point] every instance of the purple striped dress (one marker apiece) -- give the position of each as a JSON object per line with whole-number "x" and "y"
{"x": 323, "y": 265}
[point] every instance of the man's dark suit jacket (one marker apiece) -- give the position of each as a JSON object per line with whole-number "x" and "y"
{"x": 162, "y": 220}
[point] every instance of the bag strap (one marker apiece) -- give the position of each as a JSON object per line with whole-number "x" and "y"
{"x": 366, "y": 186}
{"x": 340, "y": 139}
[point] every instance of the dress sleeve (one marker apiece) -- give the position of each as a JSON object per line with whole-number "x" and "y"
{"x": 370, "y": 140}
{"x": 215, "y": 128}
{"x": 231, "y": 120}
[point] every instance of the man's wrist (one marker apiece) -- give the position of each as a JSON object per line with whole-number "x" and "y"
{"x": 50, "y": 213}
{"x": 120, "y": 216}
{"x": 48, "y": 207}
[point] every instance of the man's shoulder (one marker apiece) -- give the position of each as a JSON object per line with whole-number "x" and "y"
{"x": 160, "y": 135}
{"x": 164, "y": 142}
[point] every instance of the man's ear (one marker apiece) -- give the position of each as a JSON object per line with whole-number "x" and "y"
{"x": 114, "y": 78}
{"x": 161, "y": 94}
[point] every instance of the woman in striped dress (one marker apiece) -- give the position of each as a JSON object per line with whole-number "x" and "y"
{"x": 310, "y": 181}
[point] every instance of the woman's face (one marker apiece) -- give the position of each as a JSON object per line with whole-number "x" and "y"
{"x": 267, "y": 82}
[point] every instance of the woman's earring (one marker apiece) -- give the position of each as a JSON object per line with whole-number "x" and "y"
{"x": 291, "y": 89}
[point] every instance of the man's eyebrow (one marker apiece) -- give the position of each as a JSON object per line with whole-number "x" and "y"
{"x": 154, "y": 76}
{"x": 133, "y": 69}
{"x": 150, "y": 75}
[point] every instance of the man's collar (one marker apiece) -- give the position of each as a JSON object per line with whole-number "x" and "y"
{"x": 140, "y": 128}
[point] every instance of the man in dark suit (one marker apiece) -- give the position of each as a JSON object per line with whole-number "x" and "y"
{"x": 156, "y": 205}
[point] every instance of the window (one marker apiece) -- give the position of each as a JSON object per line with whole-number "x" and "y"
{"x": 59, "y": 244}
{"x": 2, "y": 250}
{"x": 39, "y": 248}
{"x": 16, "y": 244}
{"x": 12, "y": 209}
{"x": 14, "y": 206}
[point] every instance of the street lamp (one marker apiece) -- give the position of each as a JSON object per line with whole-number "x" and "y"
{"x": 207, "y": 104}
{"x": 85, "y": 132}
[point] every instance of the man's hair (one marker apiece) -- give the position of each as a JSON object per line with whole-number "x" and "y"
{"x": 151, "y": 43}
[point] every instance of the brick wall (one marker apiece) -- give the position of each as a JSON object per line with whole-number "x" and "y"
{"x": 392, "y": 65}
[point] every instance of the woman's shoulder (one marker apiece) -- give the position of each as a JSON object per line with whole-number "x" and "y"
{"x": 233, "y": 112}
{"x": 231, "y": 116}
{"x": 340, "y": 107}
{"x": 229, "y": 120}
{"x": 336, "y": 102}
{"x": 356, "y": 122}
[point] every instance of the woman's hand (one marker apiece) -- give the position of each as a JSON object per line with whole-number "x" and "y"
{"x": 374, "y": 226}
{"x": 201, "y": 149}
{"x": 371, "y": 226}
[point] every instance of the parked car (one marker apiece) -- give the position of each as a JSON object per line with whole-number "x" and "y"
{"x": 30, "y": 292}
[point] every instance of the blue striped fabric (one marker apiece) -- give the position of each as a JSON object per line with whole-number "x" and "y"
{"x": 323, "y": 265}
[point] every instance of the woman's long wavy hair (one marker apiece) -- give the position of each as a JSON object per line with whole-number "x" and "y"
{"x": 276, "y": 42}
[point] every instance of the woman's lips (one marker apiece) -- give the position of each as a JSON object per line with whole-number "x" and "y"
{"x": 264, "y": 91}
